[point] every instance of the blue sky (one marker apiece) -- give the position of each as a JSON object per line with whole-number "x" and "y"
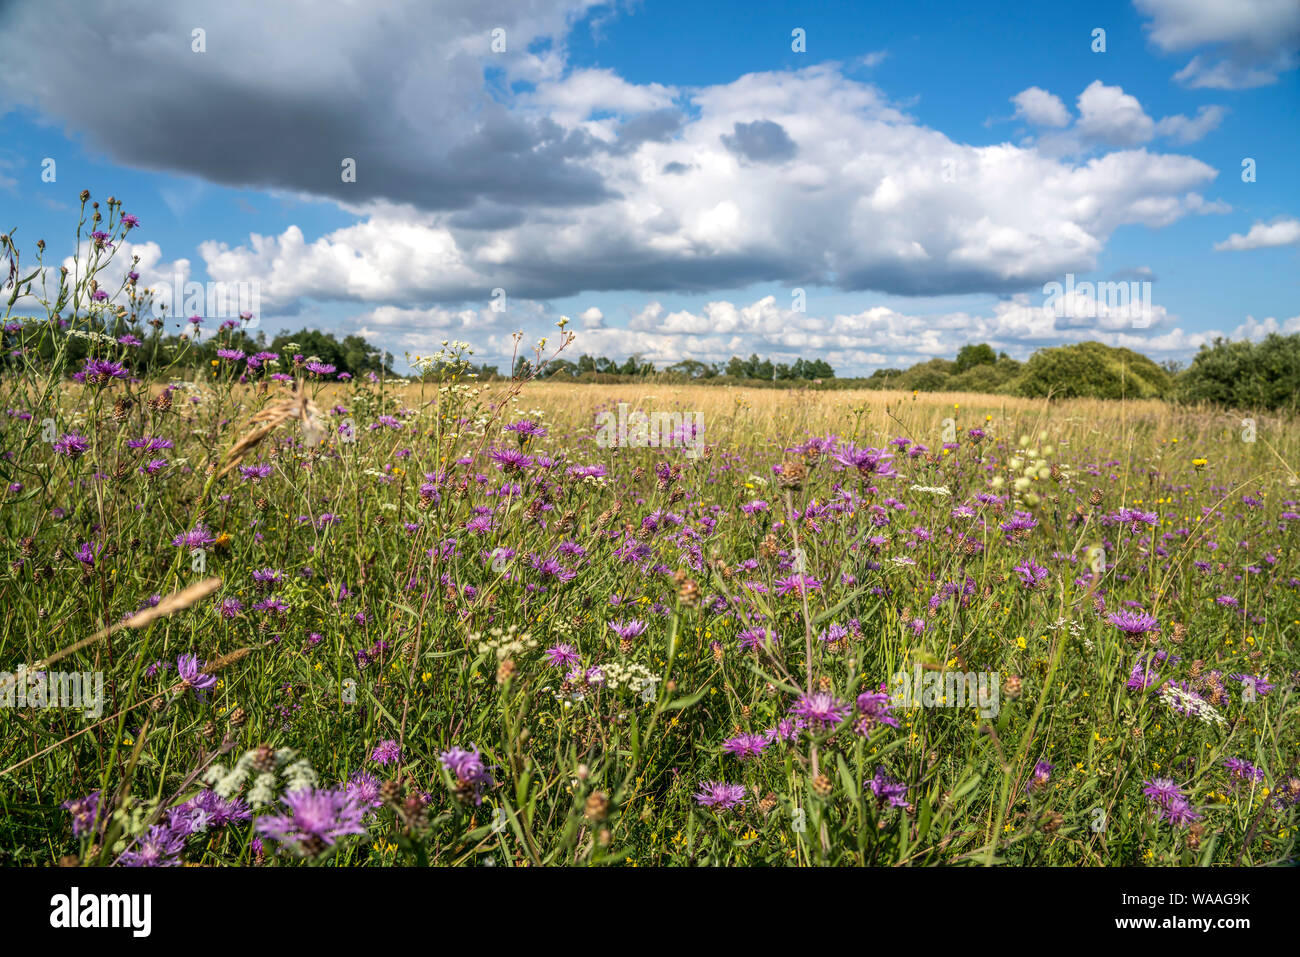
{"x": 667, "y": 174}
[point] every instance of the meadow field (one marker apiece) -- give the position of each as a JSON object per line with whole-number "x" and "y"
{"x": 454, "y": 623}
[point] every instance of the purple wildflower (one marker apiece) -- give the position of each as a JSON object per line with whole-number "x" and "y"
{"x": 820, "y": 708}
{"x": 386, "y": 752}
{"x": 161, "y": 847}
{"x": 318, "y": 817}
{"x": 720, "y": 795}
{"x": 190, "y": 670}
{"x": 1133, "y": 622}
{"x": 745, "y": 746}
{"x": 468, "y": 770}
{"x": 562, "y": 656}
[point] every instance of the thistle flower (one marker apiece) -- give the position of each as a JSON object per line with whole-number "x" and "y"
{"x": 84, "y": 811}
{"x": 797, "y": 585}
{"x": 719, "y": 795}
{"x": 511, "y": 460}
{"x": 71, "y": 444}
{"x": 1041, "y": 775}
{"x": 97, "y": 372}
{"x": 887, "y": 790}
{"x": 1020, "y": 522}
{"x": 386, "y": 752}
{"x": 466, "y": 766}
{"x": 1161, "y": 790}
{"x": 820, "y": 709}
{"x": 627, "y": 630}
{"x": 526, "y": 429}
{"x": 787, "y": 730}
{"x": 867, "y": 461}
{"x": 745, "y": 746}
{"x": 756, "y": 638}
{"x": 1133, "y": 622}
{"x": 364, "y": 790}
{"x": 317, "y": 818}
{"x": 1031, "y": 576}
{"x": 161, "y": 847}
{"x": 199, "y": 536}
{"x": 190, "y": 670}
{"x": 562, "y": 656}
{"x": 875, "y": 709}
{"x": 1241, "y": 770}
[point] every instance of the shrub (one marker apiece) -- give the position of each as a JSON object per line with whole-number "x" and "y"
{"x": 1091, "y": 370}
{"x": 1245, "y": 374}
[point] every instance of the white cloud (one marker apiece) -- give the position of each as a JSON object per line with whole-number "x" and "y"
{"x": 870, "y": 200}
{"x": 1247, "y": 43}
{"x": 1181, "y": 129}
{"x": 1108, "y": 118}
{"x": 1109, "y": 115}
{"x": 1257, "y": 329}
{"x": 852, "y": 342}
{"x": 1037, "y": 106}
{"x": 1280, "y": 232}
{"x": 574, "y": 97}
{"x": 592, "y": 318}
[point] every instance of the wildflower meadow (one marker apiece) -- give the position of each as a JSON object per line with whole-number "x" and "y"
{"x": 256, "y": 613}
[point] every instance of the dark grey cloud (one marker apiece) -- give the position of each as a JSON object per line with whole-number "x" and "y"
{"x": 762, "y": 141}
{"x": 487, "y": 216}
{"x": 279, "y": 99}
{"x": 657, "y": 126}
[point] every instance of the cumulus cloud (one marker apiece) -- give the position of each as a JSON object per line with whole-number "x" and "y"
{"x": 1241, "y": 43}
{"x": 1109, "y": 115}
{"x": 870, "y": 199}
{"x": 1182, "y": 129}
{"x": 1257, "y": 329}
{"x": 1280, "y": 232}
{"x": 1108, "y": 118}
{"x": 1037, "y": 106}
{"x": 853, "y": 342}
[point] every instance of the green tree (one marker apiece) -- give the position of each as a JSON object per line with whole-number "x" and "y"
{"x": 1245, "y": 374}
{"x": 970, "y": 356}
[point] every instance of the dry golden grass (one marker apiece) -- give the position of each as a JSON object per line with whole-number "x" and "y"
{"x": 741, "y": 417}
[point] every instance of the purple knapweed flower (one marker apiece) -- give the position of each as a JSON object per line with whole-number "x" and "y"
{"x": 386, "y": 752}
{"x": 820, "y": 708}
{"x": 719, "y": 795}
{"x": 317, "y": 818}
{"x": 190, "y": 670}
